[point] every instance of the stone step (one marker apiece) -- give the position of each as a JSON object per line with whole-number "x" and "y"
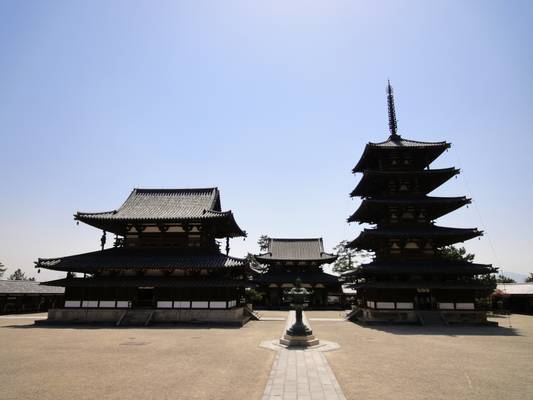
{"x": 430, "y": 318}
{"x": 135, "y": 318}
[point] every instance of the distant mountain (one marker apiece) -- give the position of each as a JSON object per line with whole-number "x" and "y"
{"x": 518, "y": 277}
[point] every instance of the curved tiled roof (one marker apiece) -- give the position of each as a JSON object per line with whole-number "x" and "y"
{"x": 287, "y": 277}
{"x": 423, "y": 284}
{"x": 144, "y": 204}
{"x": 516, "y": 288}
{"x": 374, "y": 207}
{"x": 442, "y": 236}
{"x": 296, "y": 250}
{"x": 397, "y": 143}
{"x": 148, "y": 281}
{"x": 373, "y": 181}
{"x": 27, "y": 287}
{"x": 123, "y": 258}
{"x": 169, "y": 205}
{"x": 431, "y": 267}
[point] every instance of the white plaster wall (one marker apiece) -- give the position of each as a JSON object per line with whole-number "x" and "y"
{"x": 404, "y": 306}
{"x": 464, "y": 306}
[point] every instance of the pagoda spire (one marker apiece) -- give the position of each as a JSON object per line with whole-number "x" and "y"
{"x": 393, "y": 125}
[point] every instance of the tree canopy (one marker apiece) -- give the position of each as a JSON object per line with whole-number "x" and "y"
{"x": 263, "y": 242}
{"x": 348, "y": 259}
{"x": 18, "y": 275}
{"x": 501, "y": 278}
{"x": 530, "y": 277}
{"x": 2, "y": 270}
{"x": 453, "y": 253}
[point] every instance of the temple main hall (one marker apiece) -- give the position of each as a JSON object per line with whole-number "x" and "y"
{"x": 165, "y": 264}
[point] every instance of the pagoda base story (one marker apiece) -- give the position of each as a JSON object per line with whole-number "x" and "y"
{"x": 412, "y": 316}
{"x": 125, "y": 316}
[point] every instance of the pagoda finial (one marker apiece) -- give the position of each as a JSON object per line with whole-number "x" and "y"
{"x": 393, "y": 125}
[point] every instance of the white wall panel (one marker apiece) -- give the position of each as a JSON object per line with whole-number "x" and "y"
{"x": 464, "y": 306}
{"x": 182, "y": 304}
{"x": 404, "y": 306}
{"x": 446, "y": 306}
{"x": 200, "y": 304}
{"x": 385, "y": 304}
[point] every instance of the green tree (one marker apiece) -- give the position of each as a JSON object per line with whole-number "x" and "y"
{"x": 530, "y": 277}
{"x": 453, "y": 253}
{"x": 347, "y": 258}
{"x": 18, "y": 275}
{"x": 504, "y": 279}
{"x": 2, "y": 270}
{"x": 253, "y": 296}
{"x": 263, "y": 242}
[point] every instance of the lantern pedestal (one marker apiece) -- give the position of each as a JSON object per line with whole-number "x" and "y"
{"x": 298, "y": 332}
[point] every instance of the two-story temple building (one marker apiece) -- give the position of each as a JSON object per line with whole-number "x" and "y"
{"x": 410, "y": 276}
{"x": 289, "y": 259}
{"x": 165, "y": 266}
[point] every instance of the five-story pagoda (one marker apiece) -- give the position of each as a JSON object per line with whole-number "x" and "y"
{"x": 409, "y": 276}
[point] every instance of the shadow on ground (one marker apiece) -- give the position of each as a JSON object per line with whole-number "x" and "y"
{"x": 108, "y": 326}
{"x": 453, "y": 330}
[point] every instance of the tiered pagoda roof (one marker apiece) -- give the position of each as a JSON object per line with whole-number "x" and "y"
{"x": 420, "y": 267}
{"x": 405, "y": 240}
{"x": 376, "y": 182}
{"x": 415, "y": 284}
{"x": 296, "y": 250}
{"x": 159, "y": 206}
{"x": 373, "y": 209}
{"x": 312, "y": 277}
{"x": 441, "y": 236}
{"x": 424, "y": 153}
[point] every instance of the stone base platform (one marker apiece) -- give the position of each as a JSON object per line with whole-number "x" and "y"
{"x": 323, "y": 345}
{"x": 232, "y": 316}
{"x": 467, "y": 317}
{"x": 413, "y": 316}
{"x": 301, "y": 341}
{"x": 393, "y": 316}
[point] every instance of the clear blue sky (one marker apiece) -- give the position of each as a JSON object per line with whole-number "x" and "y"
{"x": 271, "y": 101}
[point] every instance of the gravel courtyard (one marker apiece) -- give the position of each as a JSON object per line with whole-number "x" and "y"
{"x": 376, "y": 362}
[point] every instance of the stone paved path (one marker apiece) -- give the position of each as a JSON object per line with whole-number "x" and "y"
{"x": 302, "y": 375}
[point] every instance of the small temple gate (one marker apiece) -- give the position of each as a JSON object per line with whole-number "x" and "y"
{"x": 165, "y": 259}
{"x": 409, "y": 276}
{"x": 290, "y": 259}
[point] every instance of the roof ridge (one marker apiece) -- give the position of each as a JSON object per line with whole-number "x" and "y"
{"x": 415, "y": 227}
{"x": 170, "y": 190}
{"x": 400, "y": 139}
{"x": 297, "y": 239}
{"x": 423, "y": 171}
